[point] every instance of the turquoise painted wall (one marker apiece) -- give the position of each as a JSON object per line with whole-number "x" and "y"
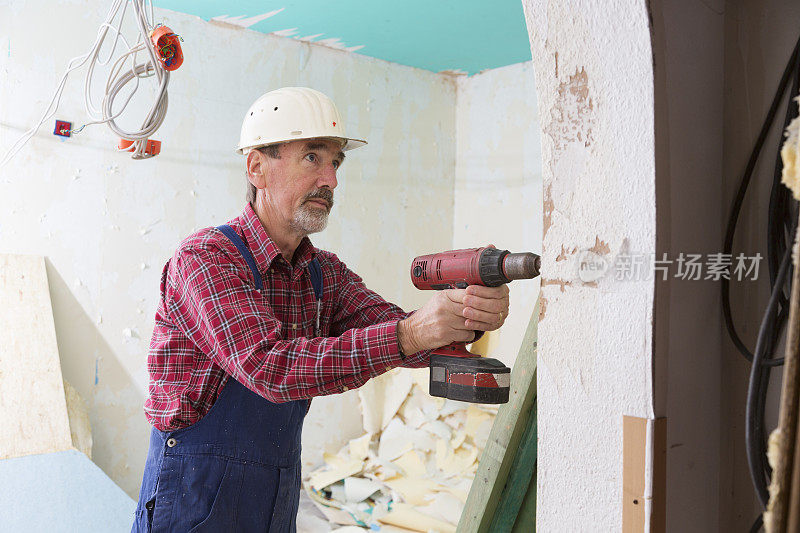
{"x": 466, "y": 35}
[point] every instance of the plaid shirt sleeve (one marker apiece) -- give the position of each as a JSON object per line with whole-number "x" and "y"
{"x": 221, "y": 313}
{"x": 359, "y": 307}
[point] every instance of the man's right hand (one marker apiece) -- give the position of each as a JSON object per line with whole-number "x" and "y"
{"x": 453, "y": 315}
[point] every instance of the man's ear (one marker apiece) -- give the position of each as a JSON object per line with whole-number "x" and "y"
{"x": 256, "y": 169}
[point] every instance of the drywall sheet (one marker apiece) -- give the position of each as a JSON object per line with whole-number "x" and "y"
{"x": 32, "y": 402}
{"x": 61, "y": 492}
{"x": 79, "y": 426}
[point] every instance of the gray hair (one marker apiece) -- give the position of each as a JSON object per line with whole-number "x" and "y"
{"x": 272, "y": 151}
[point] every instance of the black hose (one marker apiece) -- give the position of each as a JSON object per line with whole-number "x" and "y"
{"x": 754, "y": 439}
{"x": 730, "y": 230}
{"x": 757, "y": 525}
{"x": 779, "y": 221}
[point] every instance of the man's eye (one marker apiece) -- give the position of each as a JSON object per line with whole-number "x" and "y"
{"x": 312, "y": 157}
{"x": 336, "y": 164}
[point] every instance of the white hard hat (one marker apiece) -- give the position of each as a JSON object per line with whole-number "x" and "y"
{"x": 289, "y": 114}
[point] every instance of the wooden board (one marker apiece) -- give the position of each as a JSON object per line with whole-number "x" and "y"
{"x": 526, "y": 518}
{"x": 32, "y": 402}
{"x": 521, "y": 484}
{"x": 505, "y": 437}
{"x": 636, "y": 495}
{"x": 783, "y": 509}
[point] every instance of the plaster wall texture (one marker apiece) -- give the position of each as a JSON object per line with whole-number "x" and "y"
{"x": 107, "y": 223}
{"x": 498, "y": 185}
{"x": 594, "y": 81}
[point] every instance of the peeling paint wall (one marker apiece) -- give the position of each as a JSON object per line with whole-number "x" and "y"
{"x": 594, "y": 82}
{"x": 498, "y": 186}
{"x": 107, "y": 223}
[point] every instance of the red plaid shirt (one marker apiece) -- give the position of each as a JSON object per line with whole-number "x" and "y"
{"x": 212, "y": 323}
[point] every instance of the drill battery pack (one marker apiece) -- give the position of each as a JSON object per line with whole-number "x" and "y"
{"x": 469, "y": 379}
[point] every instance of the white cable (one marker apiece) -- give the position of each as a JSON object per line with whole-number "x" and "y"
{"x": 118, "y": 77}
{"x": 56, "y": 99}
{"x": 154, "y": 117}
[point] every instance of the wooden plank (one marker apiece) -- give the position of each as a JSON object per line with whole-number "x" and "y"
{"x": 32, "y": 402}
{"x": 520, "y": 479}
{"x": 644, "y": 456}
{"x": 526, "y": 518}
{"x": 634, "y": 438}
{"x": 793, "y": 508}
{"x": 783, "y": 511}
{"x": 504, "y": 438}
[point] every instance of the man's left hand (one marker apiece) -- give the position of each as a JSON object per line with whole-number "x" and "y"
{"x": 485, "y": 308}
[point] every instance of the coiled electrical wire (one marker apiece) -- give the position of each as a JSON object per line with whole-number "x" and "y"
{"x": 781, "y": 227}
{"x": 116, "y": 80}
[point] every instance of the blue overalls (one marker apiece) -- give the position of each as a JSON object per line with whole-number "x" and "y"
{"x": 237, "y": 468}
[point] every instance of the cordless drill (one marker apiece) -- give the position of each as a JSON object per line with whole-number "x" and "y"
{"x": 455, "y": 372}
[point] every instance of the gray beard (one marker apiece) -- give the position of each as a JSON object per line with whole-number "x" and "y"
{"x": 309, "y": 219}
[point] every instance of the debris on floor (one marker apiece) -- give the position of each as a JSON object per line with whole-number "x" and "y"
{"x": 412, "y": 468}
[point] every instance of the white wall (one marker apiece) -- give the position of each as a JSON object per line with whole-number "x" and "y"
{"x": 498, "y": 186}
{"x": 107, "y": 223}
{"x": 594, "y": 82}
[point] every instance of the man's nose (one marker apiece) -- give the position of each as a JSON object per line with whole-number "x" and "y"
{"x": 327, "y": 177}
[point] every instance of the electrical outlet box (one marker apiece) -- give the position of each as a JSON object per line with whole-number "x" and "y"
{"x": 62, "y": 128}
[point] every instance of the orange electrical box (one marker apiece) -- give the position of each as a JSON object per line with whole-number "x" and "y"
{"x": 168, "y": 47}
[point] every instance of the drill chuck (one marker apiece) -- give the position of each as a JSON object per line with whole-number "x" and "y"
{"x": 524, "y": 265}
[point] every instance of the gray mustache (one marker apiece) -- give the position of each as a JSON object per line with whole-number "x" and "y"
{"x": 323, "y": 194}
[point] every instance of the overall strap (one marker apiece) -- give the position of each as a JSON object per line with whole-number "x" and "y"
{"x": 315, "y": 271}
{"x": 245, "y": 251}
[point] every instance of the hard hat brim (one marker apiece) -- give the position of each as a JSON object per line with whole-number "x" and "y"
{"x": 349, "y": 143}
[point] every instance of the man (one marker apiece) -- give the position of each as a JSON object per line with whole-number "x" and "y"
{"x": 245, "y": 334}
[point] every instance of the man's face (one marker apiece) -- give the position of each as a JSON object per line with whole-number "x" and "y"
{"x": 300, "y": 184}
